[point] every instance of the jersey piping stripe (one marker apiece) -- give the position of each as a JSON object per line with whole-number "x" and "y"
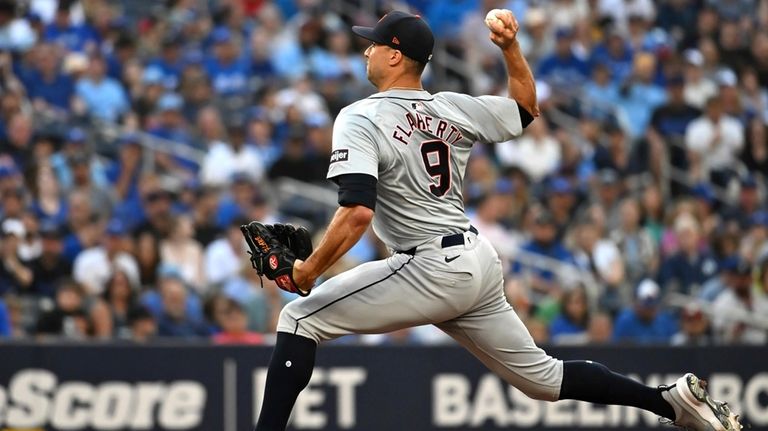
{"x": 402, "y": 98}
{"x": 350, "y": 294}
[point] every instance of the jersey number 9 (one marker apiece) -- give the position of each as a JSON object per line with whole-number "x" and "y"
{"x": 437, "y": 162}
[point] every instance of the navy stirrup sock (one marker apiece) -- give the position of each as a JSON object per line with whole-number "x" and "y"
{"x": 289, "y": 372}
{"x": 595, "y": 383}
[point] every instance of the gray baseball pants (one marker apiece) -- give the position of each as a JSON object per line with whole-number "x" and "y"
{"x": 457, "y": 288}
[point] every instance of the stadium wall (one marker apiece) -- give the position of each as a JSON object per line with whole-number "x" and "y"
{"x": 190, "y": 387}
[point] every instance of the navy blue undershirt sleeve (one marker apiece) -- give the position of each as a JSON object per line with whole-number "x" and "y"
{"x": 525, "y": 116}
{"x": 356, "y": 189}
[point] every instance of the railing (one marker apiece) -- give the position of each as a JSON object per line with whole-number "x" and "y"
{"x": 322, "y": 196}
{"x": 105, "y": 134}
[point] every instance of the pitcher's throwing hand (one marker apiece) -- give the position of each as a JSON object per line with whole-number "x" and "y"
{"x": 503, "y": 26}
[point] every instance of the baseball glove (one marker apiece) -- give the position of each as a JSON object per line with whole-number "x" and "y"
{"x": 274, "y": 249}
{"x": 296, "y": 238}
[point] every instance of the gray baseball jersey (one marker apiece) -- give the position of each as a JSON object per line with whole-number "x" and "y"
{"x": 417, "y": 145}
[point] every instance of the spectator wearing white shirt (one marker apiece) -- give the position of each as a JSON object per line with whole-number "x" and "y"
{"x": 224, "y": 159}
{"x": 15, "y": 34}
{"x": 537, "y": 152}
{"x": 301, "y": 95}
{"x": 713, "y": 141}
{"x": 698, "y": 88}
{"x": 46, "y": 9}
{"x": 94, "y": 266}
{"x": 620, "y": 11}
{"x": 223, "y": 257}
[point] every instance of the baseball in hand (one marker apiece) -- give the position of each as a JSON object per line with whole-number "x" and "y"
{"x": 503, "y": 26}
{"x": 493, "y": 21}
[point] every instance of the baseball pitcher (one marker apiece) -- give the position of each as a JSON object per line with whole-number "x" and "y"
{"x": 399, "y": 158}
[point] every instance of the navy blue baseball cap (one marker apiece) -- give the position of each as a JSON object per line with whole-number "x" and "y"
{"x": 8, "y": 170}
{"x": 560, "y": 185}
{"x": 116, "y": 227}
{"x": 704, "y": 191}
{"x": 402, "y": 31}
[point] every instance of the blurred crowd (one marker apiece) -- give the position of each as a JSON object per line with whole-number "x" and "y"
{"x": 137, "y": 135}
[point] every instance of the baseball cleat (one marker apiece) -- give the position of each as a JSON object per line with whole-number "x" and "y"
{"x": 695, "y": 409}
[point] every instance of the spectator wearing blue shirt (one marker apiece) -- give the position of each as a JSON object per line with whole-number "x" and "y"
{"x": 48, "y": 202}
{"x": 288, "y": 57}
{"x": 337, "y": 62}
{"x": 561, "y": 199}
{"x": 616, "y": 54}
{"x": 46, "y": 83}
{"x": 81, "y": 230}
{"x": 75, "y": 141}
{"x": 171, "y": 125}
{"x": 103, "y": 96}
{"x": 686, "y": 270}
{"x": 645, "y": 322}
{"x": 75, "y": 145}
{"x": 444, "y": 17}
{"x": 678, "y": 18}
{"x": 570, "y": 326}
{"x": 601, "y": 90}
{"x": 670, "y": 120}
{"x": 123, "y": 174}
{"x": 5, "y": 320}
{"x": 260, "y": 136}
{"x": 748, "y": 204}
{"x": 563, "y": 68}
{"x": 170, "y": 62}
{"x": 261, "y": 62}
{"x": 545, "y": 243}
{"x": 175, "y": 319}
{"x": 68, "y": 35}
{"x": 152, "y": 300}
{"x": 640, "y": 95}
{"x": 228, "y": 71}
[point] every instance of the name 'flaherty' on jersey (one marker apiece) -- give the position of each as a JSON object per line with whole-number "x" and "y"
{"x": 438, "y": 128}
{"x": 417, "y": 144}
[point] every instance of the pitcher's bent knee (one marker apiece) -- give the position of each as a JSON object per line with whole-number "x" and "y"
{"x": 293, "y": 320}
{"x": 542, "y": 381}
{"x": 540, "y": 392}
